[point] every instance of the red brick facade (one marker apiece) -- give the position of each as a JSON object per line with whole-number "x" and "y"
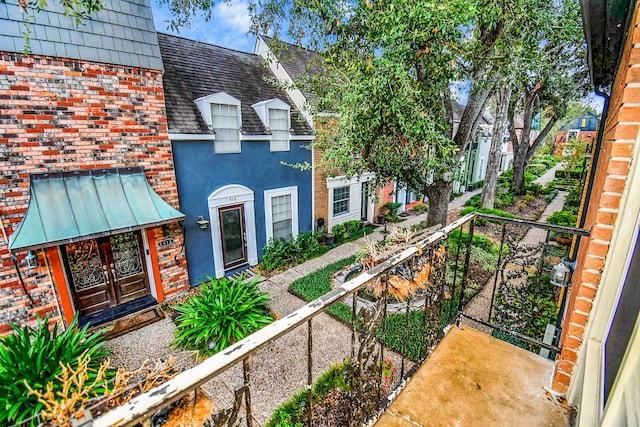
{"x": 620, "y": 132}
{"x": 60, "y": 115}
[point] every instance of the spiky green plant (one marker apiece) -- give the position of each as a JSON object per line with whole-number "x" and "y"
{"x": 224, "y": 312}
{"x": 34, "y": 357}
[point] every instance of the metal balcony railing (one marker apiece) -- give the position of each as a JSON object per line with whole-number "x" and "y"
{"x": 444, "y": 277}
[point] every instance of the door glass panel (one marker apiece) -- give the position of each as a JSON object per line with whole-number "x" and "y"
{"x": 85, "y": 264}
{"x": 232, "y": 235}
{"x": 126, "y": 255}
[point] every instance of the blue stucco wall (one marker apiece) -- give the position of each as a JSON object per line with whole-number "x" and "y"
{"x": 199, "y": 172}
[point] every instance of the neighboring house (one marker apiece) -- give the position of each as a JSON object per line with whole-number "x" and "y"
{"x": 235, "y": 138}
{"x": 583, "y": 128}
{"x": 336, "y": 199}
{"x": 89, "y": 201}
{"x": 472, "y": 166}
{"x": 598, "y": 367}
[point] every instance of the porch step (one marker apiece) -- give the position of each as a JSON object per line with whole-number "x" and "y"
{"x": 248, "y": 274}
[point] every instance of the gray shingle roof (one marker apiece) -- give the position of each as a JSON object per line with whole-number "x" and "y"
{"x": 194, "y": 69}
{"x": 297, "y": 61}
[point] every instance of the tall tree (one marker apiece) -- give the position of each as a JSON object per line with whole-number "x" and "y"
{"x": 552, "y": 73}
{"x": 389, "y": 69}
{"x": 502, "y": 97}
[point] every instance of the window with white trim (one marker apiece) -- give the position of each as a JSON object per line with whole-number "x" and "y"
{"x": 341, "y": 200}
{"x": 281, "y": 212}
{"x": 279, "y": 125}
{"x": 224, "y": 120}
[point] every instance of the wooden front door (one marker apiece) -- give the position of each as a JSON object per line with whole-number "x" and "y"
{"x": 232, "y": 231}
{"x": 106, "y": 272}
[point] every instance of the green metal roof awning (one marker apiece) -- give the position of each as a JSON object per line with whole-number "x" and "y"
{"x": 68, "y": 206}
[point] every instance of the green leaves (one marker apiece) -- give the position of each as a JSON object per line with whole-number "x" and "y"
{"x": 35, "y": 356}
{"x": 224, "y": 312}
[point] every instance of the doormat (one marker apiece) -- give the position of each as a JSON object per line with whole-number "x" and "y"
{"x": 134, "y": 321}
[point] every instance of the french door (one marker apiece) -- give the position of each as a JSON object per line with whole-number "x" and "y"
{"x": 234, "y": 237}
{"x": 106, "y": 272}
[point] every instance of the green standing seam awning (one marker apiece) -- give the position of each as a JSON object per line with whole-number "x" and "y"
{"x": 69, "y": 206}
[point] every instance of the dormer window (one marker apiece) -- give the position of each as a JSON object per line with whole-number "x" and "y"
{"x": 222, "y": 114}
{"x": 276, "y": 116}
{"x": 224, "y": 120}
{"x": 279, "y": 125}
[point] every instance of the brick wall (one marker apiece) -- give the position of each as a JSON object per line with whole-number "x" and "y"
{"x": 60, "y": 114}
{"x": 620, "y": 132}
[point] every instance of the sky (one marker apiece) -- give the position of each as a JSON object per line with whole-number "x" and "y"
{"x": 228, "y": 27}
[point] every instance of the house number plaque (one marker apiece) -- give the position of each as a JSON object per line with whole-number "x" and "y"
{"x": 165, "y": 243}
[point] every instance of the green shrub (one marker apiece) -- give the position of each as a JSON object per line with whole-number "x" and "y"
{"x": 563, "y": 218}
{"x": 34, "y": 357}
{"x": 392, "y": 210}
{"x": 282, "y": 253}
{"x": 291, "y": 414}
{"x": 504, "y": 199}
{"x": 473, "y": 201}
{"x": 574, "y": 197}
{"x": 478, "y": 240}
{"x": 224, "y": 312}
{"x": 351, "y": 227}
{"x": 551, "y": 195}
{"x": 338, "y": 230}
{"x": 420, "y": 208}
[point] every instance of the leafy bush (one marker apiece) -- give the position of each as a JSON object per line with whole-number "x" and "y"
{"x": 291, "y": 413}
{"x": 420, "y": 208}
{"x": 338, "y": 230}
{"x": 504, "y": 199}
{"x": 478, "y": 240}
{"x": 551, "y": 195}
{"x": 564, "y": 218}
{"x": 31, "y": 358}
{"x": 392, "y": 210}
{"x": 573, "y": 199}
{"x": 473, "y": 201}
{"x": 224, "y": 312}
{"x": 282, "y": 253}
{"x": 351, "y": 227}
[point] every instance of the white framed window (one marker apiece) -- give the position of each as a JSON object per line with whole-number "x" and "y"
{"x": 224, "y": 120}
{"x": 281, "y": 212}
{"x": 279, "y": 125}
{"x": 221, "y": 112}
{"x": 341, "y": 200}
{"x": 275, "y": 115}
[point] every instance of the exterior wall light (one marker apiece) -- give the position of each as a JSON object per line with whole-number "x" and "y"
{"x": 32, "y": 259}
{"x": 561, "y": 274}
{"x": 202, "y": 223}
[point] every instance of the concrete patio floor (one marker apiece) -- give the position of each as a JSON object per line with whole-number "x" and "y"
{"x": 473, "y": 379}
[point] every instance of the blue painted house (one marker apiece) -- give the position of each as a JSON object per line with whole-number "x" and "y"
{"x": 234, "y": 136}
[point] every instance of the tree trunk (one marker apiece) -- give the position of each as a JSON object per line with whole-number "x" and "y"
{"x": 438, "y": 194}
{"x": 487, "y": 199}
{"x": 519, "y": 168}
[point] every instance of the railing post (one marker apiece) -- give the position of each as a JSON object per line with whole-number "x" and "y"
{"x": 467, "y": 259}
{"x": 495, "y": 278}
{"x": 247, "y": 391}
{"x": 354, "y": 325}
{"x": 423, "y": 353}
{"x": 310, "y": 372}
{"x": 384, "y": 331}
